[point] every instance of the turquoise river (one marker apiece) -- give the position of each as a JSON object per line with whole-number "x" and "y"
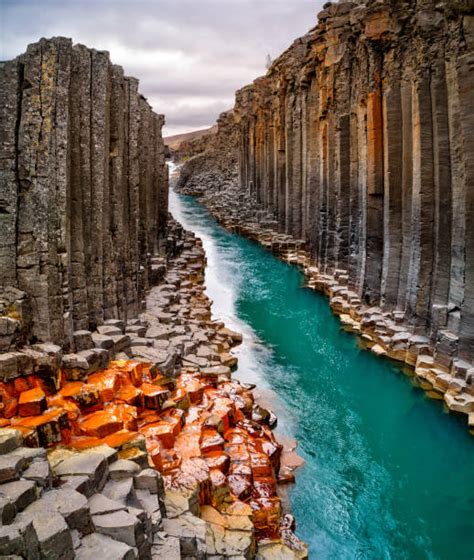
{"x": 388, "y": 474}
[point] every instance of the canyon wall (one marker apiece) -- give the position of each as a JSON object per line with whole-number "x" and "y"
{"x": 360, "y": 141}
{"x": 83, "y": 193}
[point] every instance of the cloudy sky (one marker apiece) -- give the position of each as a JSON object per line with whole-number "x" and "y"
{"x": 189, "y": 55}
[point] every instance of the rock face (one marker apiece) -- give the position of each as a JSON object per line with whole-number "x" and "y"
{"x": 359, "y": 143}
{"x": 83, "y": 193}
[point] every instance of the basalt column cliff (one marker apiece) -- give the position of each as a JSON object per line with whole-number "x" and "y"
{"x": 83, "y": 196}
{"x": 358, "y": 144}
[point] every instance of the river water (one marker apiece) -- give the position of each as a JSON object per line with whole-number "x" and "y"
{"x": 388, "y": 474}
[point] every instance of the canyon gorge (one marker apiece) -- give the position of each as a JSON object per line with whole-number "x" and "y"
{"x": 328, "y": 216}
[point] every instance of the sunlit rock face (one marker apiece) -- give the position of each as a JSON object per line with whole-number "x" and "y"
{"x": 83, "y": 197}
{"x": 358, "y": 143}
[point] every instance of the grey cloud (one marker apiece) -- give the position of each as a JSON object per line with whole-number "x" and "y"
{"x": 189, "y": 55}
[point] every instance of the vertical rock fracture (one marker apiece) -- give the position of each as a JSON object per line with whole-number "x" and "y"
{"x": 83, "y": 193}
{"x": 356, "y": 149}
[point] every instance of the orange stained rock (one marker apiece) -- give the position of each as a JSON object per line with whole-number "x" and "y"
{"x": 217, "y": 460}
{"x": 132, "y": 368}
{"x": 211, "y": 440}
{"x": 237, "y": 452}
{"x": 180, "y": 399}
{"x": 193, "y": 387}
{"x": 240, "y": 468}
{"x": 120, "y": 438}
{"x": 153, "y": 396}
{"x": 84, "y": 442}
{"x": 85, "y": 395}
{"x": 125, "y": 413}
{"x": 162, "y": 431}
{"x": 264, "y": 487}
{"x": 236, "y": 435}
{"x": 20, "y": 385}
{"x": 261, "y": 465}
{"x": 51, "y": 427}
{"x": 266, "y": 516}
{"x": 107, "y": 383}
{"x": 187, "y": 442}
{"x": 4, "y": 422}
{"x": 100, "y": 424}
{"x": 165, "y": 460}
{"x": 129, "y": 395}
{"x": 70, "y": 407}
{"x": 240, "y": 485}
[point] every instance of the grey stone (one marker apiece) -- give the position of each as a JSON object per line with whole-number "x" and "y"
{"x": 101, "y": 547}
{"x": 121, "y": 526}
{"x": 40, "y": 472}
{"x": 92, "y": 465}
{"x": 20, "y": 538}
{"x": 54, "y": 538}
{"x": 123, "y": 469}
{"x": 119, "y": 490}
{"x": 10, "y": 467}
{"x": 7, "y": 510}
{"x": 72, "y": 505}
{"x": 191, "y": 532}
{"x": 99, "y": 504}
{"x": 21, "y": 492}
{"x": 10, "y": 439}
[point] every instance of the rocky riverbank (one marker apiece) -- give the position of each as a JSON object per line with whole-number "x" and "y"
{"x": 384, "y": 333}
{"x": 352, "y": 157}
{"x": 141, "y": 445}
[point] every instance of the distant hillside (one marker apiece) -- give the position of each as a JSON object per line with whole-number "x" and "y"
{"x": 175, "y": 141}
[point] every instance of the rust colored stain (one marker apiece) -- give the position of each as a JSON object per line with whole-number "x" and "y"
{"x": 196, "y": 428}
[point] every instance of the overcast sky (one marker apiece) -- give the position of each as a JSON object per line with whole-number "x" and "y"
{"x": 189, "y": 55}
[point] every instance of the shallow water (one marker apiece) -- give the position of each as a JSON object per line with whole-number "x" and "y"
{"x": 388, "y": 474}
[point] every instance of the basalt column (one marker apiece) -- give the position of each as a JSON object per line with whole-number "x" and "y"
{"x": 359, "y": 141}
{"x": 83, "y": 193}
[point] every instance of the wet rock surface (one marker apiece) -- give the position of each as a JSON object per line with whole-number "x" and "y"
{"x": 159, "y": 454}
{"x": 348, "y": 160}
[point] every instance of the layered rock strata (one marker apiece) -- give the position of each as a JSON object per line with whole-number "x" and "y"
{"x": 83, "y": 194}
{"x": 356, "y": 150}
{"x": 167, "y": 402}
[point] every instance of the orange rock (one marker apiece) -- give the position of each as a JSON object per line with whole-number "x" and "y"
{"x": 162, "y": 431}
{"x": 193, "y": 387}
{"x": 51, "y": 427}
{"x": 217, "y": 460}
{"x": 211, "y": 440}
{"x": 20, "y": 385}
{"x": 187, "y": 442}
{"x": 100, "y": 424}
{"x": 261, "y": 465}
{"x": 240, "y": 485}
{"x": 129, "y": 395}
{"x": 106, "y": 382}
{"x": 153, "y": 396}
{"x": 32, "y": 402}
{"x": 264, "y": 487}
{"x": 124, "y": 413}
{"x": 266, "y": 516}
{"x": 84, "y": 394}
{"x": 237, "y": 452}
{"x": 120, "y": 438}
{"x": 134, "y": 370}
{"x": 240, "y": 468}
{"x": 4, "y": 422}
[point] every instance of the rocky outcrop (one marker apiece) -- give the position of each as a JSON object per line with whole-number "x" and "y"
{"x": 83, "y": 193}
{"x": 158, "y": 453}
{"x": 358, "y": 145}
{"x": 210, "y": 161}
